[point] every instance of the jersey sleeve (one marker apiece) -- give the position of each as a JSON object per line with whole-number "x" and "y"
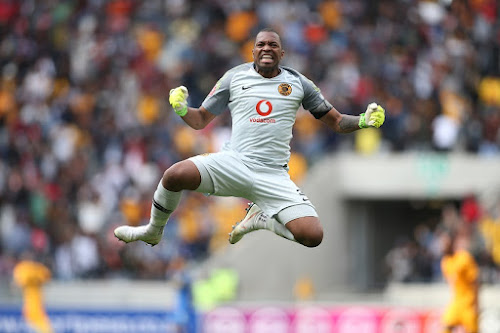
{"x": 313, "y": 100}
{"x": 217, "y": 100}
{"x": 445, "y": 267}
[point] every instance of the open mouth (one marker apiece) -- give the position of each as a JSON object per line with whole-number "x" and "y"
{"x": 266, "y": 59}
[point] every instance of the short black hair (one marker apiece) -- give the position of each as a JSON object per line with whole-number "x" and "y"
{"x": 268, "y": 29}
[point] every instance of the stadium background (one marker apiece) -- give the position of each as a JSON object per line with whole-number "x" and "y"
{"x": 86, "y": 131}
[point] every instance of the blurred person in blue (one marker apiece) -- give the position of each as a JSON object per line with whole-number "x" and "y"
{"x": 263, "y": 98}
{"x": 184, "y": 312}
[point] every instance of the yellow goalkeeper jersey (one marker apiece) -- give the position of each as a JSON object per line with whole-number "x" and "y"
{"x": 31, "y": 276}
{"x": 461, "y": 272}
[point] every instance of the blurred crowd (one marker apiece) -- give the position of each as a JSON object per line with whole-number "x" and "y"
{"x": 86, "y": 130}
{"x": 476, "y": 218}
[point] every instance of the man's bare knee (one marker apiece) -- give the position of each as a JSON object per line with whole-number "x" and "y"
{"x": 181, "y": 176}
{"x": 306, "y": 231}
{"x": 311, "y": 239}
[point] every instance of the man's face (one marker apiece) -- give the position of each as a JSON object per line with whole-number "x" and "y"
{"x": 267, "y": 53}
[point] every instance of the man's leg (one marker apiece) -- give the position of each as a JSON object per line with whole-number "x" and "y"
{"x": 451, "y": 317}
{"x": 183, "y": 175}
{"x": 291, "y": 214}
{"x": 470, "y": 320}
{"x": 256, "y": 219}
{"x": 305, "y": 230}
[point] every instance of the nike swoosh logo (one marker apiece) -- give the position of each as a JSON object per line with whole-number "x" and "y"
{"x": 245, "y": 88}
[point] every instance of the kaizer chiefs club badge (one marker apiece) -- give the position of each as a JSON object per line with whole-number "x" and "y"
{"x": 285, "y": 89}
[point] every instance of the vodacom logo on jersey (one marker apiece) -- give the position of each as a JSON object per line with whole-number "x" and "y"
{"x": 263, "y": 108}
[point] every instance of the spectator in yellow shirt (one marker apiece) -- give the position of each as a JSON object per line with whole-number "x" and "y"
{"x": 30, "y": 276}
{"x": 461, "y": 272}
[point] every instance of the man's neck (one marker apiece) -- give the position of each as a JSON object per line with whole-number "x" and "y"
{"x": 268, "y": 74}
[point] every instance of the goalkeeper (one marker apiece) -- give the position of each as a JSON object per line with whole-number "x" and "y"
{"x": 263, "y": 98}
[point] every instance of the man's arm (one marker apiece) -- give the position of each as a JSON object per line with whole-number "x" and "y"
{"x": 340, "y": 123}
{"x": 344, "y": 123}
{"x": 198, "y": 118}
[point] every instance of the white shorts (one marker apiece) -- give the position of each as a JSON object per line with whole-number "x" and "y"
{"x": 228, "y": 173}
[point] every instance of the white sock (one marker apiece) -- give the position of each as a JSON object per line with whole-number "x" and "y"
{"x": 271, "y": 224}
{"x": 164, "y": 203}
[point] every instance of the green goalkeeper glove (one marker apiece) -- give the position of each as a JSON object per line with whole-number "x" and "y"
{"x": 178, "y": 100}
{"x": 374, "y": 116}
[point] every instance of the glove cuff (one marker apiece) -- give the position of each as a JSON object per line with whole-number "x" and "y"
{"x": 362, "y": 121}
{"x": 182, "y": 112}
